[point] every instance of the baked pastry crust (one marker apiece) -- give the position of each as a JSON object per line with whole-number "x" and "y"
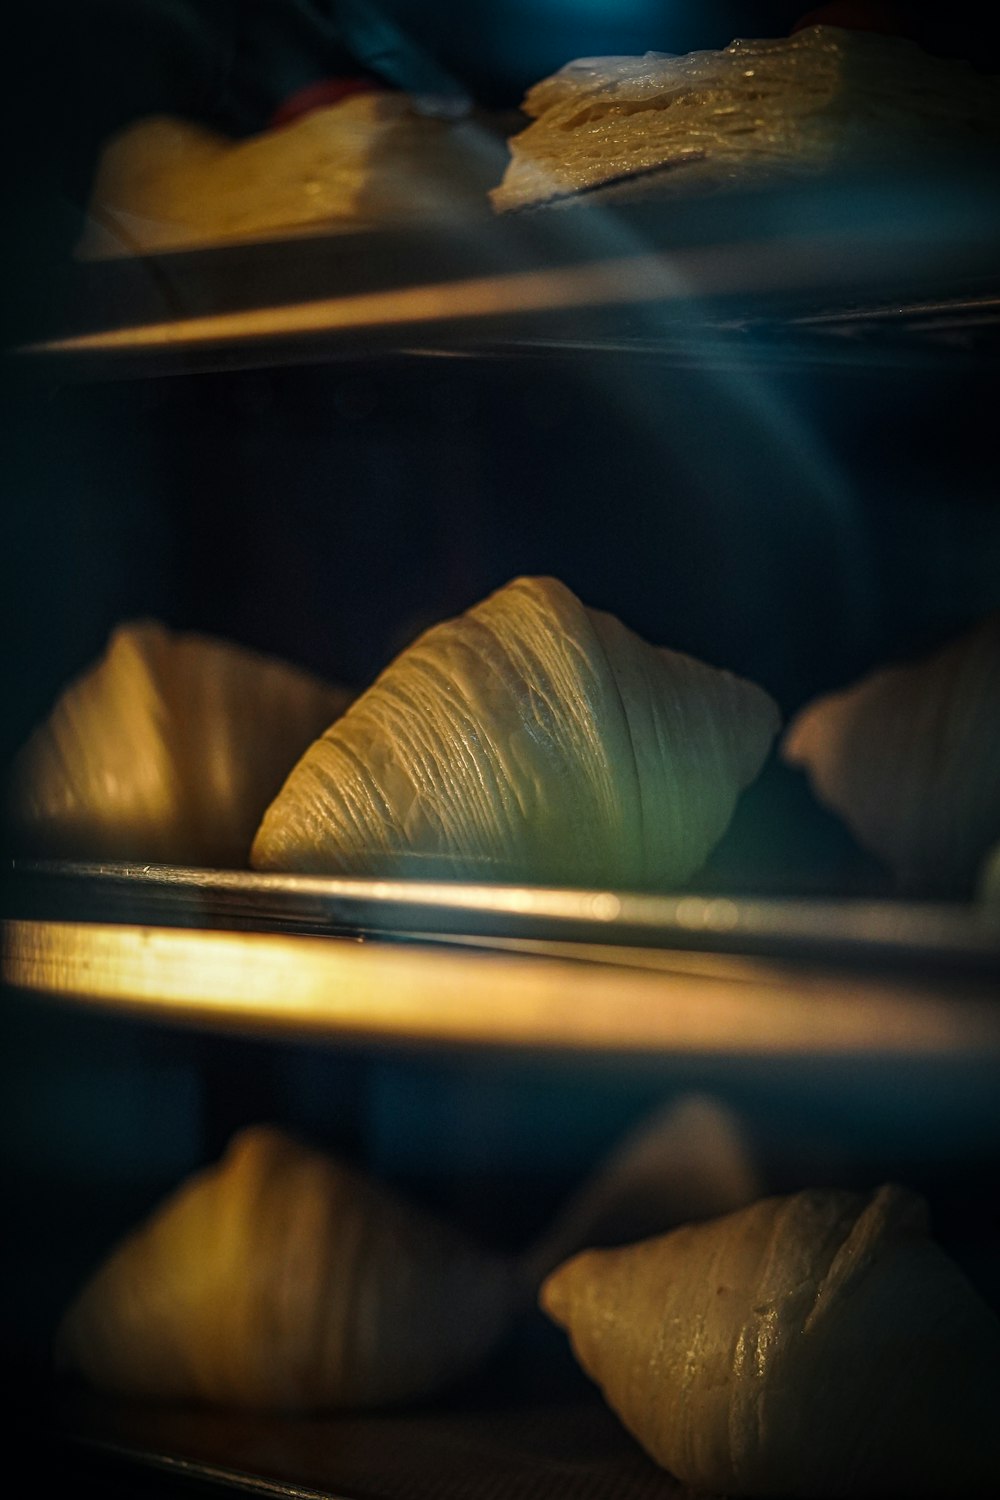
{"x": 756, "y": 111}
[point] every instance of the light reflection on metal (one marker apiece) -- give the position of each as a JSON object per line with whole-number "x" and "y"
{"x": 635, "y": 278}
{"x": 340, "y": 989}
{"x": 615, "y": 281}
{"x": 945, "y": 936}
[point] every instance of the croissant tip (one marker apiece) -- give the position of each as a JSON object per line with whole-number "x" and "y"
{"x": 557, "y": 1293}
{"x": 551, "y": 1296}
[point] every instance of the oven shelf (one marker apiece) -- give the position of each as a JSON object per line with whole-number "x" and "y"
{"x": 574, "y": 1448}
{"x": 518, "y": 968}
{"x": 846, "y": 270}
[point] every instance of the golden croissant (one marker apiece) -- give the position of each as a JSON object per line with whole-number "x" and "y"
{"x": 278, "y": 1279}
{"x": 910, "y": 758}
{"x": 829, "y": 97}
{"x": 164, "y": 181}
{"x": 819, "y": 1346}
{"x": 531, "y": 739}
{"x": 168, "y": 749}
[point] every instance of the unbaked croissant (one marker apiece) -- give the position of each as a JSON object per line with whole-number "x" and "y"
{"x": 531, "y": 739}
{"x": 278, "y": 1279}
{"x": 818, "y": 1346}
{"x": 689, "y": 1159}
{"x": 168, "y": 749}
{"x": 910, "y": 758}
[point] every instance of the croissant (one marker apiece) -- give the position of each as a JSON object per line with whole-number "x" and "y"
{"x": 164, "y": 182}
{"x": 279, "y": 1279}
{"x": 531, "y": 739}
{"x": 688, "y": 1159}
{"x": 910, "y": 758}
{"x": 754, "y": 112}
{"x": 168, "y": 749}
{"x": 820, "y": 1346}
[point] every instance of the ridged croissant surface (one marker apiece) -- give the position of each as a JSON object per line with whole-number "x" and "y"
{"x": 910, "y": 758}
{"x": 280, "y": 1280}
{"x": 168, "y": 749}
{"x": 755, "y": 111}
{"x": 819, "y": 1346}
{"x": 530, "y": 739}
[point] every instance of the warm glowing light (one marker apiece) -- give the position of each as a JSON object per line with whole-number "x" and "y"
{"x": 339, "y": 988}
{"x": 651, "y": 277}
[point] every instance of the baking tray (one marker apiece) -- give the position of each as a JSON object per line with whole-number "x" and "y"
{"x": 573, "y": 1449}
{"x": 508, "y": 966}
{"x": 897, "y": 934}
{"x": 901, "y": 269}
